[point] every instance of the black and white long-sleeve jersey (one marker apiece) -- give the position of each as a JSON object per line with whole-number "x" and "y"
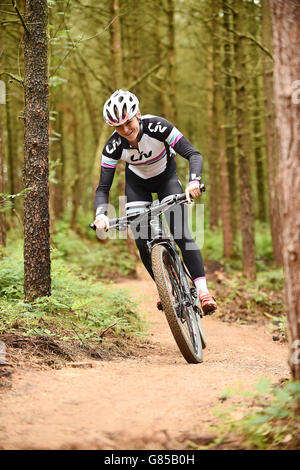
{"x": 159, "y": 142}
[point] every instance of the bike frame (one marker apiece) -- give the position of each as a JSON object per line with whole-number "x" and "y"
{"x": 154, "y": 213}
{"x": 160, "y": 238}
{"x": 181, "y": 313}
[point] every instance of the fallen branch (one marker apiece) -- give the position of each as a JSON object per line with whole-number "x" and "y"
{"x": 106, "y": 329}
{"x": 268, "y": 315}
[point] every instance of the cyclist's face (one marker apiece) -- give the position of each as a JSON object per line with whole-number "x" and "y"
{"x": 130, "y": 129}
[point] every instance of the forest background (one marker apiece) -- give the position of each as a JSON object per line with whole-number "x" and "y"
{"x": 206, "y": 66}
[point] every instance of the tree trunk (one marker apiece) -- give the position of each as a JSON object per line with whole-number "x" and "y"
{"x": 219, "y": 143}
{"x": 132, "y": 71}
{"x": 76, "y": 177}
{"x": 2, "y": 214}
{"x": 214, "y": 146}
{"x": 59, "y": 187}
{"x": 271, "y": 137}
{"x": 171, "y": 62}
{"x": 259, "y": 153}
{"x": 10, "y": 146}
{"x": 286, "y": 28}
{"x": 88, "y": 98}
{"x": 162, "y": 94}
{"x": 229, "y": 116}
{"x": 247, "y": 219}
{"x": 37, "y": 280}
{"x": 116, "y": 45}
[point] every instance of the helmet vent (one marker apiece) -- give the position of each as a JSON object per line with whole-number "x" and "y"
{"x": 116, "y": 111}
{"x": 124, "y": 112}
{"x": 110, "y": 117}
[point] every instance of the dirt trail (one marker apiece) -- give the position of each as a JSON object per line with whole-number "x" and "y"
{"x": 137, "y": 403}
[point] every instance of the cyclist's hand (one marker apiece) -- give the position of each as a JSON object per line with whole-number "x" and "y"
{"x": 193, "y": 190}
{"x": 102, "y": 222}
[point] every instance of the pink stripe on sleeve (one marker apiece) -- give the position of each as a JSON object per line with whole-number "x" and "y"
{"x": 108, "y": 166}
{"x": 176, "y": 140}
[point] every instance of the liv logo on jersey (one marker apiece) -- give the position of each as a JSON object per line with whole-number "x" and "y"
{"x": 141, "y": 156}
{"x": 158, "y": 127}
{"x": 112, "y": 147}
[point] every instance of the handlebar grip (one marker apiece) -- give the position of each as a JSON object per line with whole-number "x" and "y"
{"x": 181, "y": 197}
{"x": 113, "y": 222}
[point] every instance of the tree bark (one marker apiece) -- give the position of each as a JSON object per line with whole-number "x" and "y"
{"x": 37, "y": 280}
{"x": 116, "y": 45}
{"x": 10, "y": 147}
{"x": 161, "y": 100}
{"x": 171, "y": 62}
{"x": 247, "y": 219}
{"x": 271, "y": 137}
{"x": 286, "y": 28}
{"x": 259, "y": 153}
{"x": 88, "y": 98}
{"x": 214, "y": 146}
{"x": 220, "y": 155}
{"x": 229, "y": 116}
{"x": 2, "y": 214}
{"x": 59, "y": 187}
{"x": 76, "y": 178}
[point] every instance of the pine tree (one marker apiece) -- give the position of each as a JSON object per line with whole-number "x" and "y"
{"x": 286, "y": 24}
{"x": 271, "y": 136}
{"x": 247, "y": 218}
{"x": 37, "y": 281}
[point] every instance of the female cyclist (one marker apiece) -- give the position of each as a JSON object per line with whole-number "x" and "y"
{"x": 148, "y": 144}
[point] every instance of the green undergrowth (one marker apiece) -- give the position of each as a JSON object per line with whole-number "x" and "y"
{"x": 263, "y": 296}
{"x": 106, "y": 259}
{"x": 242, "y": 300}
{"x": 272, "y": 419}
{"x": 213, "y": 248}
{"x": 79, "y": 307}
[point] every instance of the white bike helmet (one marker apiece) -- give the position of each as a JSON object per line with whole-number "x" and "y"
{"x": 120, "y": 107}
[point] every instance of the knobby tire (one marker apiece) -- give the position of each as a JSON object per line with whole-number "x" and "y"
{"x": 159, "y": 253}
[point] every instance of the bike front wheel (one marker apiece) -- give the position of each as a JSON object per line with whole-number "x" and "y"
{"x": 182, "y": 320}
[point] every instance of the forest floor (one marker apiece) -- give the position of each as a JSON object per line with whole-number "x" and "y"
{"x": 151, "y": 399}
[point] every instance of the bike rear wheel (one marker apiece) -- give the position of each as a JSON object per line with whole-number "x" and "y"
{"x": 182, "y": 320}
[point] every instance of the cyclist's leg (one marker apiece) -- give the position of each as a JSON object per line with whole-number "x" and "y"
{"x": 177, "y": 219}
{"x": 138, "y": 198}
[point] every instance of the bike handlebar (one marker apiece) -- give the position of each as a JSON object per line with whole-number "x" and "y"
{"x": 176, "y": 198}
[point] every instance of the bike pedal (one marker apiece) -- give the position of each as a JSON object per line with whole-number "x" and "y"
{"x": 210, "y": 312}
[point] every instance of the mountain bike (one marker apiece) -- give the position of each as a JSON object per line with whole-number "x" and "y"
{"x": 176, "y": 289}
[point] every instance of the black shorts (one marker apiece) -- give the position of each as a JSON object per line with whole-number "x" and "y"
{"x": 139, "y": 190}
